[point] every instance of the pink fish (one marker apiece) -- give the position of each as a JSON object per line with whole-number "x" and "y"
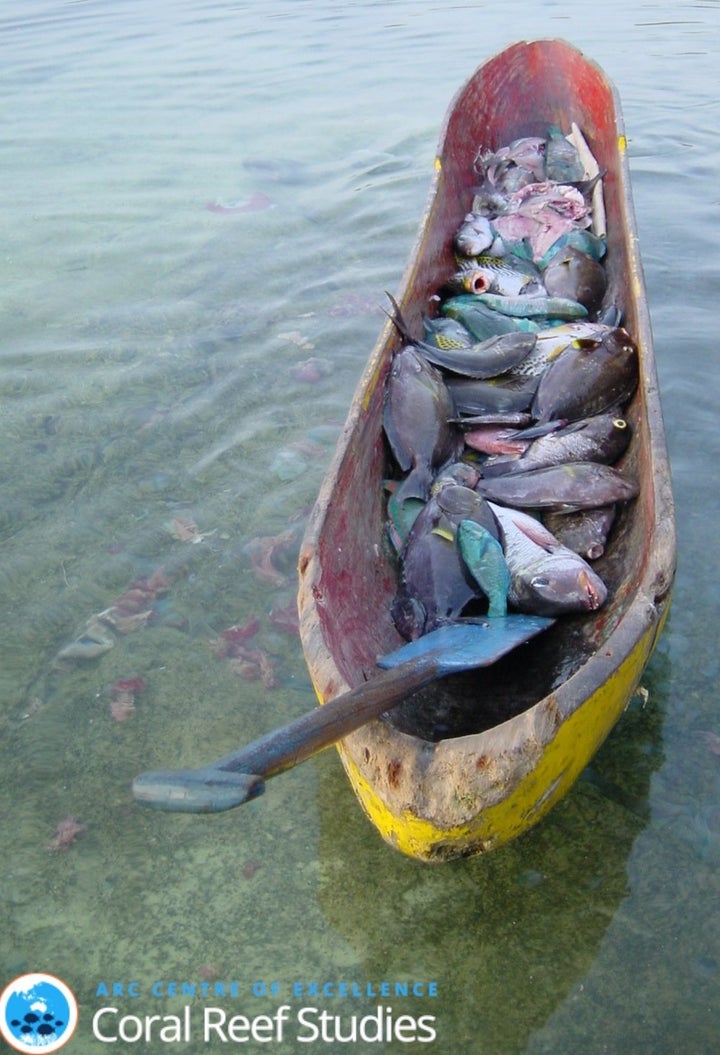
{"x": 492, "y": 439}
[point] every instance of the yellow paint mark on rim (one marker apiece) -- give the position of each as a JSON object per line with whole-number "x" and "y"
{"x": 622, "y": 144}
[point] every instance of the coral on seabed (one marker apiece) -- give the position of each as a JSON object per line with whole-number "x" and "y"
{"x": 66, "y": 833}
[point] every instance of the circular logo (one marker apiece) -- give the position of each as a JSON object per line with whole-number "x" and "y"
{"x": 38, "y": 1013}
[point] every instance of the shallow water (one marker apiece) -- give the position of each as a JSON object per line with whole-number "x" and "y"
{"x": 173, "y": 379}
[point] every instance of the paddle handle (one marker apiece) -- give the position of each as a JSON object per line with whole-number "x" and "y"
{"x": 240, "y": 776}
{"x": 312, "y": 732}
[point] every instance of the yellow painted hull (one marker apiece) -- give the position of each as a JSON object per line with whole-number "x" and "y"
{"x": 436, "y": 799}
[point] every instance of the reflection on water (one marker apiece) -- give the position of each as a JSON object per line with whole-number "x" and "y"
{"x": 202, "y": 207}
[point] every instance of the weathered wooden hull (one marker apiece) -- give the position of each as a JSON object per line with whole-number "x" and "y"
{"x": 520, "y": 732}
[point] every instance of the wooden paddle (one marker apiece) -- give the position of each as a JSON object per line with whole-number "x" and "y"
{"x": 240, "y": 776}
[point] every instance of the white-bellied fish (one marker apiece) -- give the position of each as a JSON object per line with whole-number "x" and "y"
{"x": 551, "y": 341}
{"x": 546, "y": 578}
{"x": 509, "y": 276}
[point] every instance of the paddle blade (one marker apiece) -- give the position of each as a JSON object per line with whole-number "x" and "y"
{"x": 207, "y": 790}
{"x": 466, "y": 645}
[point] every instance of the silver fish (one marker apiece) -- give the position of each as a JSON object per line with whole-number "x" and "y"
{"x": 507, "y": 275}
{"x": 601, "y": 438}
{"x": 553, "y": 340}
{"x": 546, "y": 578}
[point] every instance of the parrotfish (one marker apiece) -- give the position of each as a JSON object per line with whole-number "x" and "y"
{"x": 546, "y": 578}
{"x": 531, "y": 307}
{"x": 562, "y": 161}
{"x": 481, "y": 320}
{"x": 585, "y": 241}
{"x": 561, "y": 488}
{"x": 417, "y": 413}
{"x": 484, "y": 557}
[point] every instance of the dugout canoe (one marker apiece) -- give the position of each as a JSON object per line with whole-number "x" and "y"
{"x": 516, "y": 735}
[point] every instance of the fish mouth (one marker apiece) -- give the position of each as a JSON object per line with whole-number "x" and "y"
{"x": 475, "y": 282}
{"x": 593, "y": 596}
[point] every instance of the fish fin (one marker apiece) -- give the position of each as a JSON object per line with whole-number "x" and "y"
{"x": 397, "y": 319}
{"x": 538, "y": 534}
{"x": 443, "y": 533}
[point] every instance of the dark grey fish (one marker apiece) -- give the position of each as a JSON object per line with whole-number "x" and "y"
{"x": 586, "y": 531}
{"x": 589, "y": 377}
{"x": 484, "y": 359}
{"x": 416, "y": 419}
{"x": 577, "y": 276}
{"x": 492, "y": 397}
{"x": 601, "y": 438}
{"x": 561, "y": 488}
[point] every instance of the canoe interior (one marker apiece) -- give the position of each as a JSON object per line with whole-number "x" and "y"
{"x": 348, "y": 572}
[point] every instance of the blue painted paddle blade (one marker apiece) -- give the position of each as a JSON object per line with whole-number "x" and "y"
{"x": 466, "y": 645}
{"x": 208, "y": 790}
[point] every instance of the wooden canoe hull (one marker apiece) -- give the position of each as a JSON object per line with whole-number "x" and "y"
{"x": 488, "y": 781}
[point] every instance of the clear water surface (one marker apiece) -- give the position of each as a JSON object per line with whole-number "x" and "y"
{"x": 173, "y": 378}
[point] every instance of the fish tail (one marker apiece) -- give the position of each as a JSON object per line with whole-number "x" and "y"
{"x": 415, "y": 485}
{"x": 397, "y": 319}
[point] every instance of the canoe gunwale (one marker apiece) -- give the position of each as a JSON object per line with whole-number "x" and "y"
{"x": 422, "y": 813}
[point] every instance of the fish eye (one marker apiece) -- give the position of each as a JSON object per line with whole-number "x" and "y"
{"x": 620, "y": 423}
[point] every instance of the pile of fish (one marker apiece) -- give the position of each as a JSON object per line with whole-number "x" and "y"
{"x": 505, "y": 418}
